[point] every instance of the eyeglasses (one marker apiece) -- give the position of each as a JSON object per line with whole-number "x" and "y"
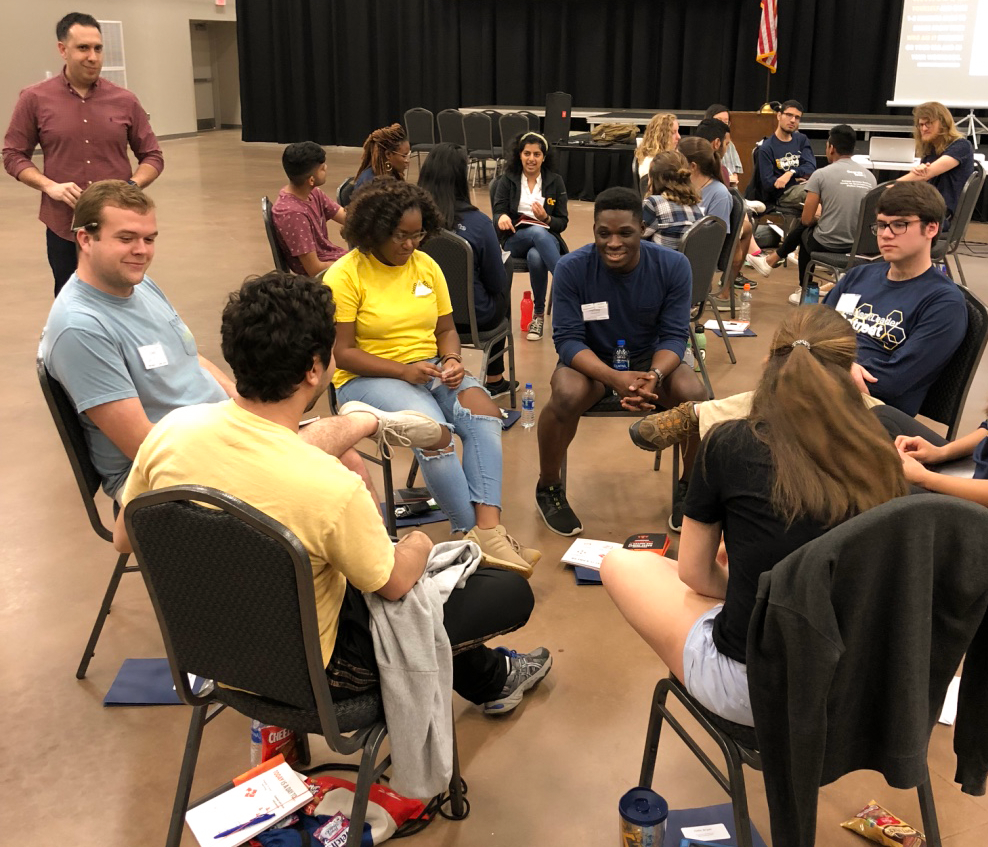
{"x": 402, "y": 237}
{"x": 791, "y": 115}
{"x": 897, "y": 227}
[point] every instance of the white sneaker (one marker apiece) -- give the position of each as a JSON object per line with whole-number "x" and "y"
{"x": 759, "y": 264}
{"x": 756, "y": 206}
{"x": 796, "y": 297}
{"x": 398, "y": 429}
{"x": 536, "y": 327}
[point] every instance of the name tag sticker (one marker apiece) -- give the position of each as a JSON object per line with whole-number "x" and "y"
{"x": 595, "y": 311}
{"x": 422, "y": 290}
{"x": 847, "y": 302}
{"x": 153, "y": 356}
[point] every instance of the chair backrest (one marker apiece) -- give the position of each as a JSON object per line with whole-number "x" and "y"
{"x": 513, "y": 124}
{"x": 558, "y": 116}
{"x": 495, "y": 117}
{"x": 643, "y": 186}
{"x": 73, "y": 438}
{"x": 726, "y": 259}
{"x": 534, "y": 124}
{"x": 865, "y": 242}
{"x": 280, "y": 262}
{"x": 701, "y": 245}
{"x": 454, "y": 255}
{"x": 345, "y": 191}
{"x": 451, "y": 127}
{"x": 420, "y": 126}
{"x": 478, "y": 132}
{"x": 949, "y": 241}
{"x": 233, "y": 593}
{"x": 944, "y": 402}
{"x": 754, "y": 189}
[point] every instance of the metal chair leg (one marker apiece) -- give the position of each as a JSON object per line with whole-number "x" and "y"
{"x": 509, "y": 351}
{"x": 365, "y": 778}
{"x": 723, "y": 332}
{"x": 412, "y": 472}
{"x": 931, "y": 826}
{"x": 457, "y": 804}
{"x": 186, "y": 775}
{"x": 111, "y": 589}
{"x": 652, "y": 735}
{"x": 739, "y": 796}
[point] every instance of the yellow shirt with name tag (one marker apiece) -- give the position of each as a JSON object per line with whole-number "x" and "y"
{"x": 394, "y": 309}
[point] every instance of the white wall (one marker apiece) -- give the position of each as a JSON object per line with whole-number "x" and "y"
{"x": 157, "y": 45}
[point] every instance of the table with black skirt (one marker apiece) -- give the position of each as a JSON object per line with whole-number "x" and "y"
{"x": 588, "y": 168}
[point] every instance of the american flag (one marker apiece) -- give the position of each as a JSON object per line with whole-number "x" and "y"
{"x": 768, "y": 36}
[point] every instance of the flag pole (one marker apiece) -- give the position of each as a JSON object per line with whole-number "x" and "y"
{"x": 768, "y": 80}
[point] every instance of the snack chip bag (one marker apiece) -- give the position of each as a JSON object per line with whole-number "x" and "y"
{"x": 879, "y": 825}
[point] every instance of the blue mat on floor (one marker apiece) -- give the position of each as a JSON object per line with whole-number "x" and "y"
{"x": 724, "y": 813}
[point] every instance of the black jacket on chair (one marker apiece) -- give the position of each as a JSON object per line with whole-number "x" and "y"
{"x": 507, "y": 194}
{"x": 852, "y": 644}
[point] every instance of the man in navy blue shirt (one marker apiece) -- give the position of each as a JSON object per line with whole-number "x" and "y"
{"x": 617, "y": 289}
{"x": 785, "y": 159}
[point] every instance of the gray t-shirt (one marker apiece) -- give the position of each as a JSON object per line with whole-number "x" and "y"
{"x": 103, "y": 348}
{"x": 715, "y": 199}
{"x": 841, "y": 187}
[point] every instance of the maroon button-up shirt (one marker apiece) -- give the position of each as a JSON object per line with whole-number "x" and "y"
{"x": 83, "y": 139}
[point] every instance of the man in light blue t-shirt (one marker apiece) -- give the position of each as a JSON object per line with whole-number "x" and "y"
{"x": 113, "y": 341}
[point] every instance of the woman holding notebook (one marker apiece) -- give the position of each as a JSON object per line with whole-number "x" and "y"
{"x": 530, "y": 213}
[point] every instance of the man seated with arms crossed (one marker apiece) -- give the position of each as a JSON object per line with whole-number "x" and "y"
{"x": 617, "y": 288}
{"x": 278, "y": 333}
{"x": 833, "y": 203}
{"x": 302, "y": 210}
{"x": 785, "y": 159}
{"x": 908, "y": 316}
{"x": 125, "y": 358}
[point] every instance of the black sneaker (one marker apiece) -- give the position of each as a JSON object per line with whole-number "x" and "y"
{"x": 555, "y": 511}
{"x": 742, "y": 280}
{"x": 676, "y": 518}
{"x": 502, "y": 386}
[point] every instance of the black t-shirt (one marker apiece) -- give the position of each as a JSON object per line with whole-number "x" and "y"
{"x": 732, "y": 484}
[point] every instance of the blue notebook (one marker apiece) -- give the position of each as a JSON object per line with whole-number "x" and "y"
{"x": 723, "y": 814}
{"x": 145, "y": 682}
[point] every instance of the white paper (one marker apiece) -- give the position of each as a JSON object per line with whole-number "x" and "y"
{"x": 588, "y": 553}
{"x": 710, "y": 832}
{"x": 153, "y": 356}
{"x": 949, "y": 711}
{"x": 730, "y": 327}
{"x": 595, "y": 311}
{"x": 422, "y": 290}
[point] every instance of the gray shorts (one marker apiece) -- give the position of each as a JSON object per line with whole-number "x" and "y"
{"x": 717, "y": 681}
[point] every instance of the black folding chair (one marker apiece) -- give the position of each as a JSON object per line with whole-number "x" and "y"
{"x": 726, "y": 262}
{"x": 345, "y": 191}
{"x": 702, "y": 245}
{"x": 233, "y": 593}
{"x": 478, "y": 130}
{"x": 534, "y": 122}
{"x": 88, "y": 480}
{"x": 280, "y": 262}
{"x": 948, "y": 242}
{"x": 451, "y": 127}
{"x": 420, "y": 127}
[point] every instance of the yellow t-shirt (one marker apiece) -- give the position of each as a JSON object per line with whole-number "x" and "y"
{"x": 268, "y": 466}
{"x": 394, "y": 309}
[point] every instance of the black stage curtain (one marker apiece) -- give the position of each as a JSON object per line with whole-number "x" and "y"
{"x": 332, "y": 70}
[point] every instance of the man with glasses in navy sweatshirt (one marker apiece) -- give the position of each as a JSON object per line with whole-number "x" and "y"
{"x": 785, "y": 159}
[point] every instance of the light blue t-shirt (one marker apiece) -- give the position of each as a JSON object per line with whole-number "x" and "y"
{"x": 102, "y": 348}
{"x": 716, "y": 200}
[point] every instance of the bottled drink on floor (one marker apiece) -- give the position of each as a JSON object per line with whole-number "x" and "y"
{"x": 744, "y": 313}
{"x": 621, "y": 360}
{"x": 701, "y": 344}
{"x": 527, "y": 310}
{"x": 812, "y": 293}
{"x": 528, "y": 407}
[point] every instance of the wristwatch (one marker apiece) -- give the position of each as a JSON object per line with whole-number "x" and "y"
{"x": 658, "y": 374}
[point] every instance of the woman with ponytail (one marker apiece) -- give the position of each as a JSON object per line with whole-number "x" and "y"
{"x": 672, "y": 205}
{"x": 386, "y": 153}
{"x": 768, "y": 483}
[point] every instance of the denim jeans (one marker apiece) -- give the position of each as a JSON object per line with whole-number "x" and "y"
{"x": 455, "y": 487}
{"x": 540, "y": 249}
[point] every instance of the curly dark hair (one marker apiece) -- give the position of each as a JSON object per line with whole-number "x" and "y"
{"x": 375, "y": 212}
{"x": 518, "y": 143}
{"x": 272, "y": 329}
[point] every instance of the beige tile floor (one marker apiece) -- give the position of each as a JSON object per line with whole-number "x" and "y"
{"x": 551, "y": 773}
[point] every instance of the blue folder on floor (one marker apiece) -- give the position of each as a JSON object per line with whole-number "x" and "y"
{"x": 724, "y": 813}
{"x": 145, "y": 682}
{"x": 509, "y": 417}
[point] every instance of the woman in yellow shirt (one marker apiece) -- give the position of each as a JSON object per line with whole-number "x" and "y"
{"x": 397, "y": 348}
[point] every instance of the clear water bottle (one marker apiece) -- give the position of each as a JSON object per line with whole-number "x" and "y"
{"x": 744, "y": 313}
{"x": 812, "y": 293}
{"x": 528, "y": 407}
{"x": 621, "y": 360}
{"x": 255, "y": 743}
{"x": 701, "y": 344}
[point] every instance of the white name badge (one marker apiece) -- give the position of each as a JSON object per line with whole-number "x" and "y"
{"x": 595, "y": 311}
{"x": 153, "y": 356}
{"x": 422, "y": 290}
{"x": 847, "y": 302}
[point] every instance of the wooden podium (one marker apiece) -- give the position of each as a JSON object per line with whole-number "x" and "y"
{"x": 747, "y": 129}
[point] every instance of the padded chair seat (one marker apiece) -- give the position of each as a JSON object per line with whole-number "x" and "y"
{"x": 352, "y": 714}
{"x": 423, "y": 147}
{"x": 743, "y": 736}
{"x": 838, "y": 260}
{"x": 484, "y": 154}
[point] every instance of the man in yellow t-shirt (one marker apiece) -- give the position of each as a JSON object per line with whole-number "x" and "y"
{"x": 278, "y": 334}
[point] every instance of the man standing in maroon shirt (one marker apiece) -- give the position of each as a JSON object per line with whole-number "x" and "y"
{"x": 84, "y": 126}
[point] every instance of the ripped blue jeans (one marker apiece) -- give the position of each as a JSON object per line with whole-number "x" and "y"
{"x": 455, "y": 487}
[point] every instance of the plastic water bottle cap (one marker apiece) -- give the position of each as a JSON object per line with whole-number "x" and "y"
{"x": 747, "y": 286}
{"x": 528, "y": 385}
{"x": 620, "y": 342}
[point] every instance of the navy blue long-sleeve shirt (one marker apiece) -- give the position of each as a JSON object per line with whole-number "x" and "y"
{"x": 775, "y": 157}
{"x": 907, "y": 330}
{"x": 649, "y": 308}
{"x": 489, "y": 279}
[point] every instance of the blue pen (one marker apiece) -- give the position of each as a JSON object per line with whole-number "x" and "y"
{"x": 257, "y": 820}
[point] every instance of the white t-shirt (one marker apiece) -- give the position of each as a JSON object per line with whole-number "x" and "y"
{"x": 529, "y": 197}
